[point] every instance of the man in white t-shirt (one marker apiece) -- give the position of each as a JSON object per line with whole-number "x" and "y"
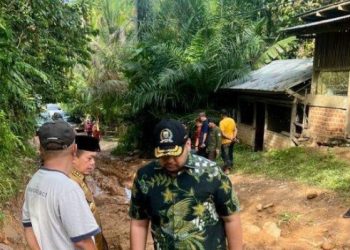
{"x": 56, "y": 215}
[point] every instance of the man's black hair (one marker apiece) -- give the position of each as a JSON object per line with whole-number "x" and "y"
{"x": 224, "y": 112}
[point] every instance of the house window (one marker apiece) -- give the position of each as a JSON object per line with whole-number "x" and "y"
{"x": 246, "y": 112}
{"x": 278, "y": 118}
{"x": 333, "y": 83}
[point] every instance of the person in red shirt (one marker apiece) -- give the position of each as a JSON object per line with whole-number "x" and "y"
{"x": 96, "y": 131}
{"x": 197, "y": 133}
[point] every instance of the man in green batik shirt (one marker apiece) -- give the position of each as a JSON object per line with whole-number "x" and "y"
{"x": 187, "y": 198}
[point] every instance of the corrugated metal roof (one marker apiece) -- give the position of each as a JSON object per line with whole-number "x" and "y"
{"x": 311, "y": 27}
{"x": 277, "y": 76}
{"x": 329, "y": 11}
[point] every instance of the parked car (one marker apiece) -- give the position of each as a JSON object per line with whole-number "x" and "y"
{"x": 50, "y": 109}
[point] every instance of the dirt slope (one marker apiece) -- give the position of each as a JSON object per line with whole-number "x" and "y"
{"x": 290, "y": 221}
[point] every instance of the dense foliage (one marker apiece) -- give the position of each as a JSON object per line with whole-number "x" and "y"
{"x": 40, "y": 43}
{"x": 157, "y": 58}
{"x": 100, "y": 90}
{"x": 187, "y": 49}
{"x": 149, "y": 57}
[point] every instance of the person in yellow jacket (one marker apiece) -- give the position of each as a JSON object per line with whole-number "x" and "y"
{"x": 228, "y": 133}
{"x": 83, "y": 165}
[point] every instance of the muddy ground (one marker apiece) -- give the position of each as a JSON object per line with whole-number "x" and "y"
{"x": 275, "y": 214}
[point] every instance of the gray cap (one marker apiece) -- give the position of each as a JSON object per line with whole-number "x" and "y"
{"x": 56, "y": 135}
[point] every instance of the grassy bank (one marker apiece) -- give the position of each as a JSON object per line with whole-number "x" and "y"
{"x": 307, "y": 165}
{"x": 15, "y": 170}
{"x": 16, "y": 162}
{"x": 14, "y": 173}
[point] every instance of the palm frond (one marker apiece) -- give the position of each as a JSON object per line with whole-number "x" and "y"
{"x": 276, "y": 51}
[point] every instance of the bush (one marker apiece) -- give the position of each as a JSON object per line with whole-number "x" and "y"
{"x": 129, "y": 140}
{"x": 11, "y": 168}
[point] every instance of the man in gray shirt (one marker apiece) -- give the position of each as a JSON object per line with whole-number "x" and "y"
{"x": 56, "y": 215}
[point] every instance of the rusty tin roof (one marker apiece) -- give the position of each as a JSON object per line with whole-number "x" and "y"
{"x": 278, "y": 76}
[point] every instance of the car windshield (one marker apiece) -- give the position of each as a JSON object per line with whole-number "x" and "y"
{"x": 52, "y": 111}
{"x": 53, "y": 106}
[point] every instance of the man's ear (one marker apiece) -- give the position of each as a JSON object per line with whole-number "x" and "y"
{"x": 188, "y": 143}
{"x": 74, "y": 149}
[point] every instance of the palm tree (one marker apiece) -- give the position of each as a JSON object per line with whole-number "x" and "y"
{"x": 190, "y": 49}
{"x": 104, "y": 92}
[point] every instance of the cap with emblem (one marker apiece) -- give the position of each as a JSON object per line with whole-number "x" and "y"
{"x": 56, "y": 135}
{"x": 170, "y": 138}
{"x": 87, "y": 143}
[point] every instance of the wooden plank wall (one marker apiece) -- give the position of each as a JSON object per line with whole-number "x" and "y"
{"x": 332, "y": 51}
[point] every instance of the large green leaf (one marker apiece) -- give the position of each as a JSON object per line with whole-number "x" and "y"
{"x": 276, "y": 51}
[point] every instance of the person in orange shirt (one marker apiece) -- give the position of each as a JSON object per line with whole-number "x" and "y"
{"x": 229, "y": 133}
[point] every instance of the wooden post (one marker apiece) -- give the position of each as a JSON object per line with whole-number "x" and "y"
{"x": 314, "y": 82}
{"x": 254, "y": 125}
{"x": 292, "y": 120}
{"x": 347, "y": 116}
{"x": 305, "y": 118}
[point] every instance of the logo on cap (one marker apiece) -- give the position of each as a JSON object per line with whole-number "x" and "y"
{"x": 166, "y": 136}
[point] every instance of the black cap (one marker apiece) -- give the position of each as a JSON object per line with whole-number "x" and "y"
{"x": 170, "y": 138}
{"x": 87, "y": 143}
{"x": 56, "y": 135}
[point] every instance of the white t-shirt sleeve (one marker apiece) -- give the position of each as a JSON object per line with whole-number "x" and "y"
{"x": 25, "y": 215}
{"x": 76, "y": 216}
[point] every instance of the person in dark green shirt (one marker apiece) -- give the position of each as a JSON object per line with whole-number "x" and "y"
{"x": 190, "y": 203}
{"x": 214, "y": 141}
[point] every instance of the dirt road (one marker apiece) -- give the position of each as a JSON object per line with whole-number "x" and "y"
{"x": 275, "y": 214}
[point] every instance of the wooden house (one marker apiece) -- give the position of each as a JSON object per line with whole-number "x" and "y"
{"x": 313, "y": 109}
{"x": 328, "y": 118}
{"x": 267, "y": 103}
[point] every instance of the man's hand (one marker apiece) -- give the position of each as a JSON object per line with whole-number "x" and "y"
{"x": 233, "y": 231}
{"x": 138, "y": 234}
{"x": 31, "y": 239}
